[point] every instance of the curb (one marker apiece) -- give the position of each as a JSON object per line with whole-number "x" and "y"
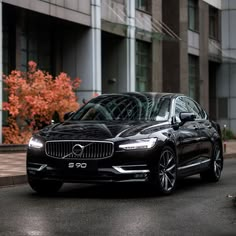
{"x": 13, "y": 180}
{"x": 12, "y": 148}
{"x": 230, "y": 155}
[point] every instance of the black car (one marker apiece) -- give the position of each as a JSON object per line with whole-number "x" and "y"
{"x": 146, "y": 137}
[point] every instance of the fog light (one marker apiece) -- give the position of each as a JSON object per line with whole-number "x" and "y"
{"x": 139, "y": 176}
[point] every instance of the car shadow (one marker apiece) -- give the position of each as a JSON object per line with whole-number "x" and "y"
{"x": 191, "y": 183}
{"x": 105, "y": 191}
{"x": 123, "y": 190}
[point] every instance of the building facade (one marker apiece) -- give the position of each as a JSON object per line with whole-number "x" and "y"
{"x": 226, "y": 76}
{"x": 127, "y": 45}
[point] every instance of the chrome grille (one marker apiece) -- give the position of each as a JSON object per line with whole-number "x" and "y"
{"x": 91, "y": 149}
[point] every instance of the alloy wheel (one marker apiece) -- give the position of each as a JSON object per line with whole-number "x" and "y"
{"x": 167, "y": 170}
{"x": 217, "y": 162}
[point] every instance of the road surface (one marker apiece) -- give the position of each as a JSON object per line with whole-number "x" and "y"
{"x": 195, "y": 208}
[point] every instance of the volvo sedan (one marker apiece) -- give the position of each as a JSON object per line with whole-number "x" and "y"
{"x": 137, "y": 137}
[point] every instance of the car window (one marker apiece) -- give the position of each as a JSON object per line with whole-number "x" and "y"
{"x": 125, "y": 107}
{"x": 194, "y": 108}
{"x": 161, "y": 110}
{"x": 95, "y": 113}
{"x": 202, "y": 111}
{"x": 180, "y": 106}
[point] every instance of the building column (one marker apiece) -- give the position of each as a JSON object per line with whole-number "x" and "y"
{"x": 203, "y": 59}
{"x": 175, "y": 53}
{"x": 96, "y": 46}
{"x": 130, "y": 5}
{"x": 157, "y": 65}
{"x": 183, "y": 34}
{"x": 1, "y": 72}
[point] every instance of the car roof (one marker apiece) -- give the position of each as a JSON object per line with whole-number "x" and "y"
{"x": 149, "y": 94}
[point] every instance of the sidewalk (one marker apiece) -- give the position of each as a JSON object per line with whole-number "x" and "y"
{"x": 230, "y": 149}
{"x": 12, "y": 168}
{"x": 13, "y": 165}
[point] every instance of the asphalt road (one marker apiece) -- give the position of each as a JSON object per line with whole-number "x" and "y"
{"x": 196, "y": 208}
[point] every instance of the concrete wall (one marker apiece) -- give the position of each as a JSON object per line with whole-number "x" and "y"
{"x": 215, "y": 3}
{"x": 72, "y": 10}
{"x": 228, "y": 4}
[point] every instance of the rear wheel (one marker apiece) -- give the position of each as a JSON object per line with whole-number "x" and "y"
{"x": 166, "y": 171}
{"x": 45, "y": 186}
{"x": 214, "y": 173}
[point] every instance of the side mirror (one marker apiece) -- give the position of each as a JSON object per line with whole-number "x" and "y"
{"x": 186, "y": 116}
{"x": 68, "y": 115}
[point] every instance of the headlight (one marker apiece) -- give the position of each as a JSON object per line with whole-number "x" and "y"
{"x": 35, "y": 143}
{"x": 139, "y": 144}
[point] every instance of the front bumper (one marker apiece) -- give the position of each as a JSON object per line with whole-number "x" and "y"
{"x": 126, "y": 173}
{"x": 121, "y": 167}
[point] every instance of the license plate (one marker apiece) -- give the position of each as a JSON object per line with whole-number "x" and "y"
{"x": 77, "y": 165}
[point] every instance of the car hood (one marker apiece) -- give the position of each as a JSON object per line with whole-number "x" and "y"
{"x": 98, "y": 130}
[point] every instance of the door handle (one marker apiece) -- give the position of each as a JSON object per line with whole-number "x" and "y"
{"x": 196, "y": 127}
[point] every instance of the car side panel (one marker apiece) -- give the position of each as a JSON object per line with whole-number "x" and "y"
{"x": 187, "y": 140}
{"x": 206, "y": 131}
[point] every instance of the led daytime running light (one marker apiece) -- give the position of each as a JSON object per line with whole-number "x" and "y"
{"x": 35, "y": 143}
{"x": 139, "y": 144}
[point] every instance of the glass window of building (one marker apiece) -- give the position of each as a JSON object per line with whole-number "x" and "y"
{"x": 193, "y": 15}
{"x": 5, "y": 65}
{"x": 213, "y": 23}
{"x": 120, "y": 1}
{"x": 193, "y": 77}
{"x": 142, "y": 5}
{"x": 35, "y": 42}
{"x": 5, "y": 49}
{"x": 142, "y": 66}
{"x": 222, "y": 108}
{"x": 8, "y": 49}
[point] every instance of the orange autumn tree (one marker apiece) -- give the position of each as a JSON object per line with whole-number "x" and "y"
{"x": 34, "y": 99}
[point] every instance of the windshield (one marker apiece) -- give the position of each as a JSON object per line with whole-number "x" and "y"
{"x": 129, "y": 107}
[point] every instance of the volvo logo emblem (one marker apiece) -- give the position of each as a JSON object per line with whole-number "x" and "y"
{"x": 77, "y": 150}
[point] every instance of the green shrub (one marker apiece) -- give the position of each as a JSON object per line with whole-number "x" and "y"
{"x": 227, "y": 134}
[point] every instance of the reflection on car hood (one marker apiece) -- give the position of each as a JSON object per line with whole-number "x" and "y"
{"x": 96, "y": 130}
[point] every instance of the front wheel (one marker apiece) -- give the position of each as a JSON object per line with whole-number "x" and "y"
{"x": 45, "y": 186}
{"x": 166, "y": 171}
{"x": 216, "y": 166}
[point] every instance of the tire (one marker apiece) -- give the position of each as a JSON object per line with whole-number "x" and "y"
{"x": 216, "y": 166}
{"x": 165, "y": 175}
{"x": 45, "y": 187}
